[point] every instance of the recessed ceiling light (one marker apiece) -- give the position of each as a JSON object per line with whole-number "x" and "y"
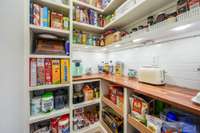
{"x": 183, "y": 27}
{"x": 137, "y": 40}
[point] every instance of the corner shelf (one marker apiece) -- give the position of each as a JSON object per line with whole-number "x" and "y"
{"x": 112, "y": 6}
{"x": 53, "y": 114}
{"x": 137, "y": 11}
{"x": 88, "y": 27}
{"x": 138, "y": 125}
{"x": 86, "y": 103}
{"x": 113, "y": 106}
{"x": 45, "y": 87}
{"x": 39, "y": 29}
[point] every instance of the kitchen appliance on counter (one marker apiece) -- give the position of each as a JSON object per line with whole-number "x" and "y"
{"x": 77, "y": 68}
{"x": 152, "y": 75}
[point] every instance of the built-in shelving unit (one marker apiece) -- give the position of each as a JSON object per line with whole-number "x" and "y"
{"x": 165, "y": 31}
{"x": 31, "y": 30}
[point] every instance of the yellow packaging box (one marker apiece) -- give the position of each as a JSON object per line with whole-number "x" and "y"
{"x": 65, "y": 71}
{"x": 55, "y": 71}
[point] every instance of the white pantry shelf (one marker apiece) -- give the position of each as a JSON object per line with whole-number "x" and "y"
{"x": 53, "y": 5}
{"x": 88, "y": 27}
{"x": 113, "y": 5}
{"x": 83, "y": 4}
{"x": 83, "y": 47}
{"x": 86, "y": 103}
{"x": 91, "y": 128}
{"x": 44, "y": 87}
{"x": 49, "y": 56}
{"x": 47, "y": 116}
{"x": 39, "y": 29}
{"x": 137, "y": 11}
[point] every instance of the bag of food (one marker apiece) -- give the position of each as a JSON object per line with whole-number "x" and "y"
{"x": 154, "y": 124}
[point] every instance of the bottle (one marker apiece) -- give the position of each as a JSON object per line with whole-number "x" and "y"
{"x": 100, "y": 67}
{"x": 77, "y": 14}
{"x": 111, "y": 67}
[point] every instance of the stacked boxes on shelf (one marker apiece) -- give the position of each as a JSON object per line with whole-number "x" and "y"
{"x": 44, "y": 71}
{"x": 45, "y": 17}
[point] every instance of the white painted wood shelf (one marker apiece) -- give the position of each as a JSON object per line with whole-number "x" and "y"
{"x": 47, "y": 87}
{"x": 91, "y": 128}
{"x": 86, "y": 5}
{"x": 86, "y": 103}
{"x": 112, "y": 6}
{"x": 47, "y": 116}
{"x": 54, "y": 5}
{"x": 83, "y": 47}
{"x": 49, "y": 56}
{"x": 140, "y": 9}
{"x": 88, "y": 27}
{"x": 39, "y": 29}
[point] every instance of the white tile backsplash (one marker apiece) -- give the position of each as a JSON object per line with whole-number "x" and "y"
{"x": 179, "y": 58}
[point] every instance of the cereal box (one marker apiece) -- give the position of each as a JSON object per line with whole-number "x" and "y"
{"x": 40, "y": 72}
{"x": 33, "y": 72}
{"x": 55, "y": 71}
{"x": 65, "y": 71}
{"x": 56, "y": 20}
{"x": 48, "y": 71}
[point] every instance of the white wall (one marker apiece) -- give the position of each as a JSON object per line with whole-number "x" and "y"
{"x": 11, "y": 66}
{"x": 179, "y": 58}
{"x": 89, "y": 59}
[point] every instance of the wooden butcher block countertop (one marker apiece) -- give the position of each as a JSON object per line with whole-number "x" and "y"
{"x": 176, "y": 96}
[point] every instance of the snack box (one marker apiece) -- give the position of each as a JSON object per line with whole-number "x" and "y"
{"x": 36, "y": 14}
{"x": 56, "y": 20}
{"x": 33, "y": 72}
{"x": 65, "y": 71}
{"x": 48, "y": 71}
{"x": 40, "y": 72}
{"x": 55, "y": 71}
{"x": 44, "y": 16}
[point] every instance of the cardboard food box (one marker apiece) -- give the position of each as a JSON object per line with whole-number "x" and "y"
{"x": 65, "y": 71}
{"x": 111, "y": 38}
{"x": 55, "y": 71}
{"x": 45, "y": 46}
{"x": 48, "y": 71}
{"x": 40, "y": 72}
{"x": 33, "y": 72}
{"x": 56, "y": 20}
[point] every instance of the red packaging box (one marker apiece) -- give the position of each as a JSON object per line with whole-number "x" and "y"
{"x": 48, "y": 71}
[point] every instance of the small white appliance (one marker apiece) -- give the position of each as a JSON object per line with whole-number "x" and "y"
{"x": 152, "y": 75}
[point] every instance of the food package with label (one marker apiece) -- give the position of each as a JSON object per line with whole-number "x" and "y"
{"x": 140, "y": 107}
{"x": 88, "y": 93}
